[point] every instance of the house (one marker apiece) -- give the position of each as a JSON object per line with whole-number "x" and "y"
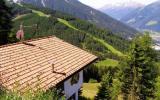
{"x": 49, "y": 60}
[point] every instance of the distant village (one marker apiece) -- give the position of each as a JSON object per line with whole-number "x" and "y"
{"x": 157, "y": 39}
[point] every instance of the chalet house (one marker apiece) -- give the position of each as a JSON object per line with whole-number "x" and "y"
{"x": 49, "y": 60}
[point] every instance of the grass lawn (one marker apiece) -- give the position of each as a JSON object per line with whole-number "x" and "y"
{"x": 34, "y": 11}
{"x": 37, "y": 12}
{"x": 40, "y": 13}
{"x": 20, "y": 16}
{"x": 66, "y": 23}
{"x": 111, "y": 48}
{"x": 90, "y": 90}
{"x": 158, "y": 64}
{"x": 107, "y": 62}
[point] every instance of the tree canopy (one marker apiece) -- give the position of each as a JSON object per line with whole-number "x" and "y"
{"x": 5, "y": 22}
{"x": 140, "y": 71}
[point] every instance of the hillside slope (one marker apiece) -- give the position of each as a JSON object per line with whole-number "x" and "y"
{"x": 75, "y": 8}
{"x": 62, "y": 27}
{"x": 108, "y": 46}
{"x": 145, "y": 18}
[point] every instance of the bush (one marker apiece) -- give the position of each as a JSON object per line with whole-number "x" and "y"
{"x": 31, "y": 95}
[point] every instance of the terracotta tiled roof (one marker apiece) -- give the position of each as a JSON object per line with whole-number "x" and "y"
{"x": 32, "y": 62}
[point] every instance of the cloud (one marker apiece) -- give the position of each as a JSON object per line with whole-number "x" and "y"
{"x": 101, "y": 3}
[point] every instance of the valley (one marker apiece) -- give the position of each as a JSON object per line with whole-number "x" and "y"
{"x": 139, "y": 16}
{"x": 144, "y": 18}
{"x": 68, "y": 50}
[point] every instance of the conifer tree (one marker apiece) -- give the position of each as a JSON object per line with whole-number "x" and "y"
{"x": 106, "y": 84}
{"x": 5, "y": 22}
{"x": 139, "y": 72}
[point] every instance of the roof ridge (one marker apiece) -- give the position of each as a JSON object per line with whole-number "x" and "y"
{"x": 21, "y": 42}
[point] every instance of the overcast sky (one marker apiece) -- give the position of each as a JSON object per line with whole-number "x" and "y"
{"x": 101, "y": 3}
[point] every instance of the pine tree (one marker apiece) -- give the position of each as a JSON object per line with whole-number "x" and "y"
{"x": 104, "y": 89}
{"x": 139, "y": 72}
{"x": 5, "y": 22}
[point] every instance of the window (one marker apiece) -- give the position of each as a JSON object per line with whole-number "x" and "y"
{"x": 75, "y": 79}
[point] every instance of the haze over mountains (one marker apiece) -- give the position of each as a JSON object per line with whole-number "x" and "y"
{"x": 141, "y": 17}
{"x": 76, "y": 8}
{"x": 145, "y": 18}
{"x": 120, "y": 10}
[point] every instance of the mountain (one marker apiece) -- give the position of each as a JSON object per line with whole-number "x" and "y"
{"x": 76, "y": 8}
{"x": 145, "y": 18}
{"x": 42, "y": 22}
{"x": 120, "y": 10}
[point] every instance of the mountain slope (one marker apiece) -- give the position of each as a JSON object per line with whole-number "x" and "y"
{"x": 103, "y": 44}
{"x": 120, "y": 10}
{"x": 108, "y": 46}
{"x": 145, "y": 18}
{"x": 75, "y": 8}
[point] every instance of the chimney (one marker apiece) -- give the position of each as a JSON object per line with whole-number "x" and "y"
{"x": 20, "y": 33}
{"x": 53, "y": 70}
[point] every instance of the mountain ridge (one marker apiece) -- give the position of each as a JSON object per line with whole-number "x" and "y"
{"x": 119, "y": 10}
{"x": 145, "y": 18}
{"x": 82, "y": 11}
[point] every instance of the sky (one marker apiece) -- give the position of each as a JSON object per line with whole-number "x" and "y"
{"x": 101, "y": 3}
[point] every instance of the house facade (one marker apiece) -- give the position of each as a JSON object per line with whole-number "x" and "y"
{"x": 73, "y": 85}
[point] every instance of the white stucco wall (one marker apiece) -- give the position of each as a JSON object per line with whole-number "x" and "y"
{"x": 69, "y": 89}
